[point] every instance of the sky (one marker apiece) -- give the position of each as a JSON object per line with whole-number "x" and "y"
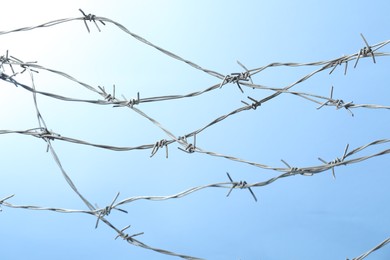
{"x": 299, "y": 217}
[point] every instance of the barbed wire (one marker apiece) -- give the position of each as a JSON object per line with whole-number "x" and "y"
{"x": 43, "y": 133}
{"x": 12, "y": 67}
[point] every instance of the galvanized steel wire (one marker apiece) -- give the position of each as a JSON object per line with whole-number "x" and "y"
{"x": 11, "y": 68}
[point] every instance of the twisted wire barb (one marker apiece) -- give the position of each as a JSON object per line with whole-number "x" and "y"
{"x": 338, "y": 103}
{"x": 241, "y": 185}
{"x": 107, "y": 210}
{"x": 237, "y": 78}
{"x": 159, "y": 145}
{"x": 365, "y": 51}
{"x": 336, "y": 161}
{"x": 91, "y": 18}
{"x": 126, "y": 236}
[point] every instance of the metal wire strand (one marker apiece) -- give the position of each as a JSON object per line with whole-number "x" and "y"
{"x": 382, "y": 244}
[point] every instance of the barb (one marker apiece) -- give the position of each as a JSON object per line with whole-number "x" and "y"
{"x": 236, "y": 78}
{"x": 339, "y": 62}
{"x": 159, "y": 145}
{"x": 129, "y": 103}
{"x": 126, "y": 236}
{"x": 254, "y": 104}
{"x": 295, "y": 170}
{"x": 247, "y": 72}
{"x": 366, "y": 51}
{"x": 241, "y": 185}
{"x": 4, "y": 199}
{"x": 107, "y": 96}
{"x": 91, "y": 18}
{"x": 6, "y": 60}
{"x": 107, "y": 210}
{"x": 190, "y": 148}
{"x": 338, "y": 103}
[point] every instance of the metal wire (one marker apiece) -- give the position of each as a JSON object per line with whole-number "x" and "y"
{"x": 11, "y": 68}
{"x": 382, "y": 244}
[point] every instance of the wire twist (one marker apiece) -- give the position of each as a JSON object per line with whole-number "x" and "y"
{"x": 126, "y": 236}
{"x": 91, "y": 18}
{"x": 107, "y": 210}
{"x": 240, "y": 185}
{"x": 158, "y": 145}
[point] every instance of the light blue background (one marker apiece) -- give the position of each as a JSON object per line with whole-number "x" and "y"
{"x": 296, "y": 218}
